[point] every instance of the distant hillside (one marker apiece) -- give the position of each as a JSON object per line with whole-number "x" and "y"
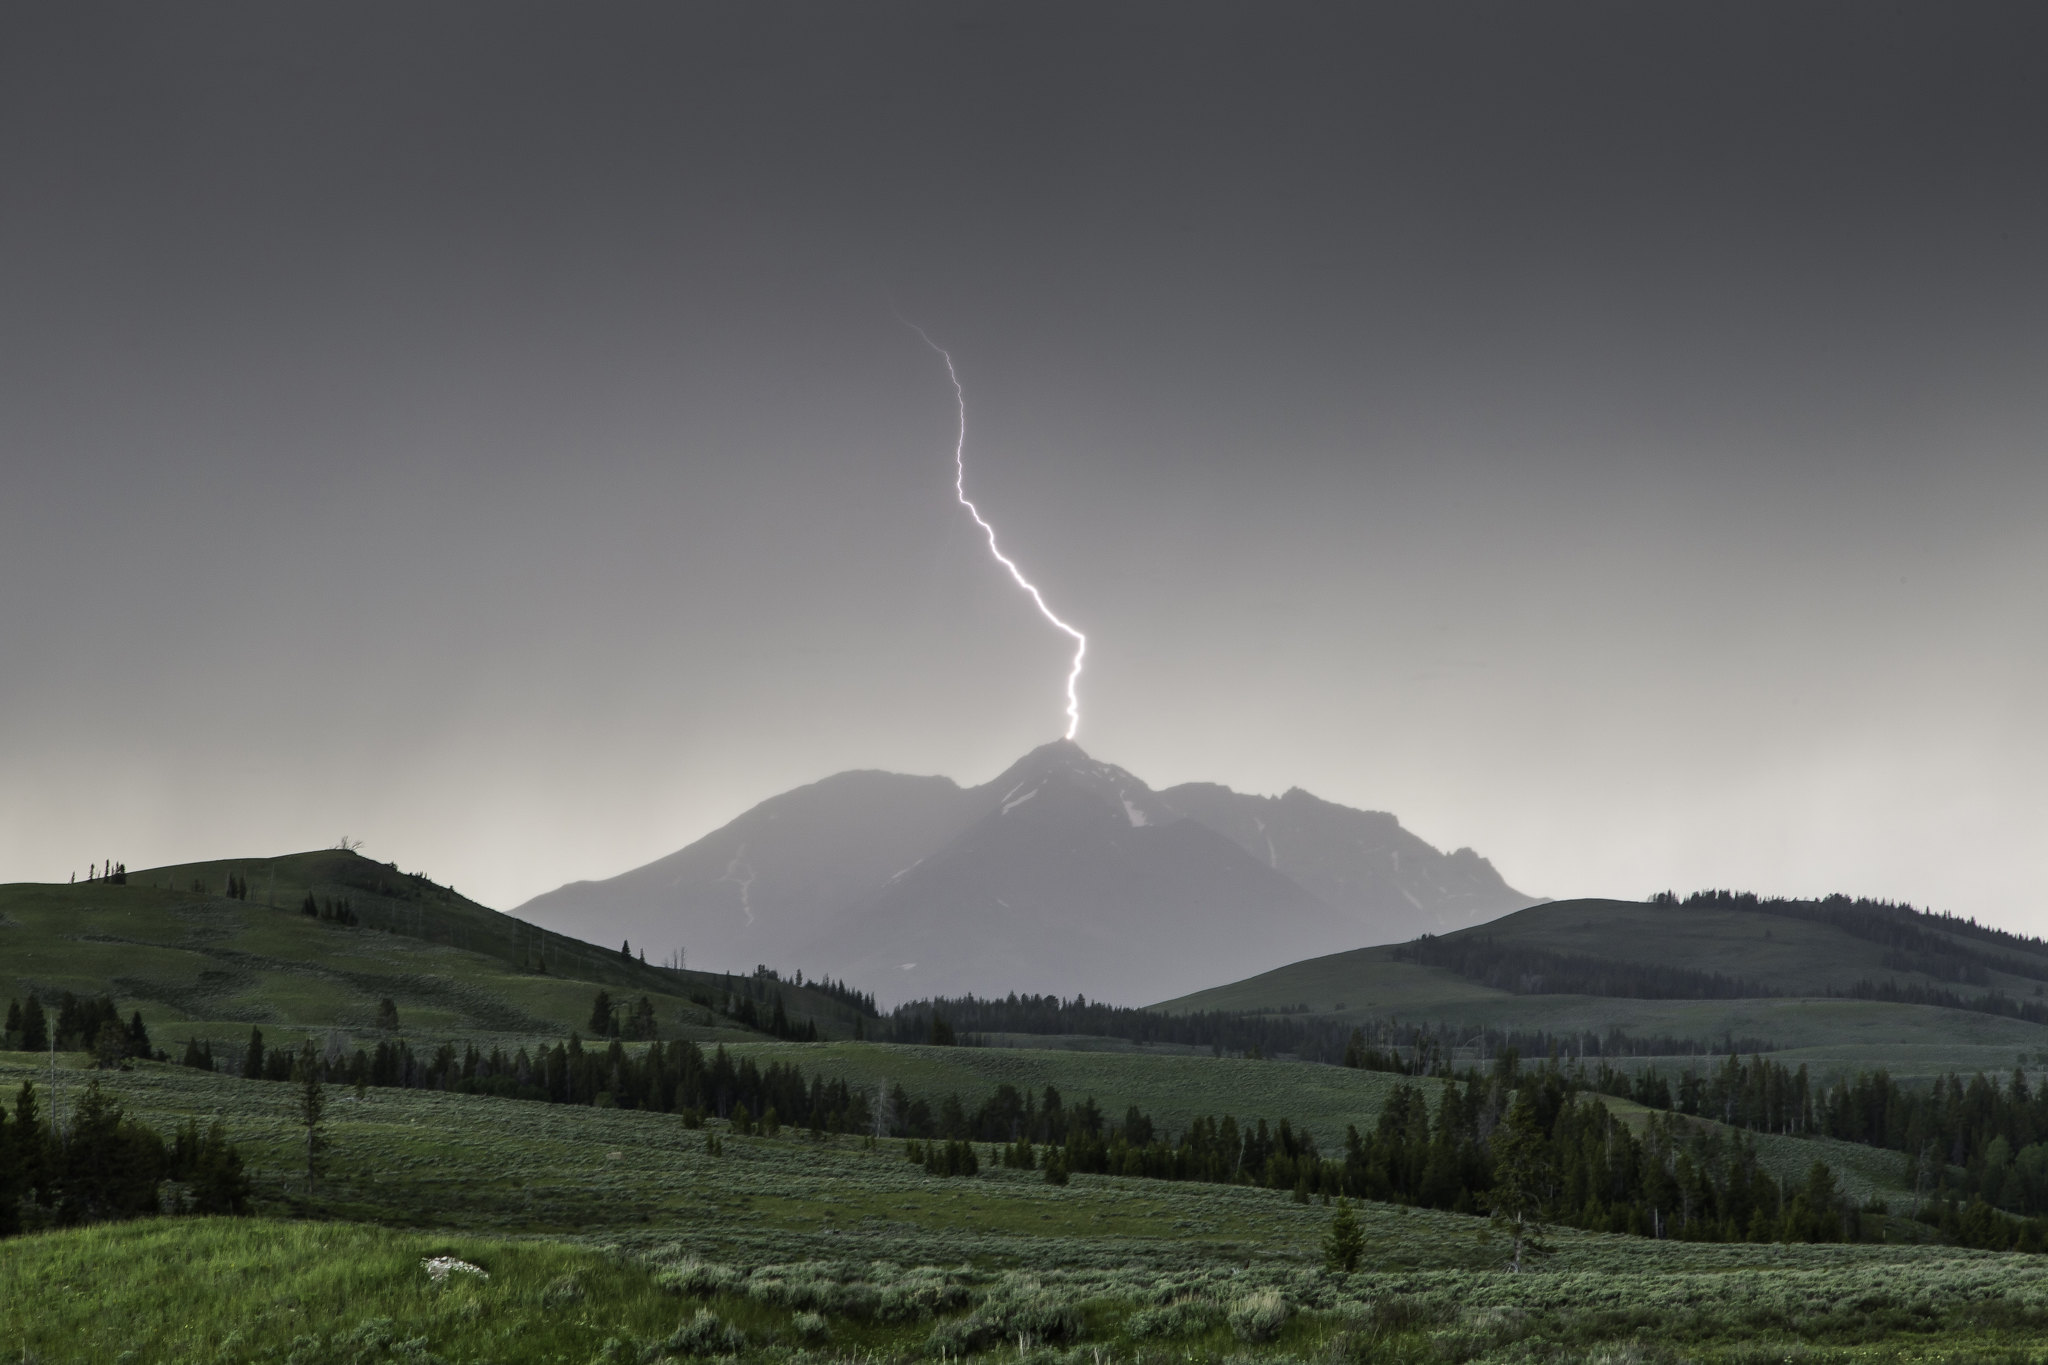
{"x": 1062, "y": 874}
{"x": 192, "y": 956}
{"x": 1800, "y": 973}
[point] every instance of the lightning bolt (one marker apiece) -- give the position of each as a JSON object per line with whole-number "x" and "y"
{"x": 960, "y": 491}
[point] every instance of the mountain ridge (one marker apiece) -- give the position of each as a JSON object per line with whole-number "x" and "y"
{"x": 1055, "y": 875}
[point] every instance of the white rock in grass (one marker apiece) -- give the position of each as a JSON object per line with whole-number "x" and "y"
{"x": 438, "y": 1268}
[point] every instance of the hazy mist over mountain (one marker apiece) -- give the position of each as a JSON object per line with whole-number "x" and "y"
{"x": 1609, "y": 436}
{"x": 1062, "y": 875}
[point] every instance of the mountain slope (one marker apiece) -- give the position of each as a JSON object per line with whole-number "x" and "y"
{"x": 1076, "y": 879}
{"x": 1079, "y": 887}
{"x": 1394, "y": 884}
{"x": 762, "y": 888}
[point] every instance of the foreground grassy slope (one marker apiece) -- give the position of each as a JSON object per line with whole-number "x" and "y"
{"x": 195, "y": 962}
{"x": 1799, "y": 960}
{"x": 577, "y": 1214}
{"x": 248, "y": 1290}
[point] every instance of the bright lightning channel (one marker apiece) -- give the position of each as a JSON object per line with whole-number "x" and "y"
{"x": 960, "y": 491}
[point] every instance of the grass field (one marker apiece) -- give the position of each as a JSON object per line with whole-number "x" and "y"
{"x": 423, "y": 1158}
{"x": 619, "y": 1236}
{"x": 264, "y": 1290}
{"x": 536, "y": 1193}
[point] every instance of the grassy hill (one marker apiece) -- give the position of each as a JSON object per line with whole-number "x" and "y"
{"x": 609, "y": 1233}
{"x": 197, "y": 962}
{"x": 1784, "y": 975}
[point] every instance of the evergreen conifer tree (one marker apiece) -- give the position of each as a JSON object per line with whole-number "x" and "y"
{"x": 1519, "y": 1162}
{"x": 12, "y": 1186}
{"x": 110, "y": 1047}
{"x": 35, "y": 1028}
{"x": 312, "y": 1111}
{"x": 1345, "y": 1245}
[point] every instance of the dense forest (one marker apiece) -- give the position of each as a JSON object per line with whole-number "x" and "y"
{"x": 1423, "y": 1048}
{"x": 764, "y": 979}
{"x": 82, "y": 1024}
{"x": 1978, "y": 1138}
{"x": 98, "y": 1165}
{"x": 1921, "y": 934}
{"x": 1539, "y": 971}
{"x": 1991, "y": 1002}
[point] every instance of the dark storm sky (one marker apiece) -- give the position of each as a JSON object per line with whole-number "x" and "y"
{"x": 1611, "y": 436}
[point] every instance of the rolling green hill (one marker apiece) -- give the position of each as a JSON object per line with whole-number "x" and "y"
{"x": 1810, "y": 977}
{"x": 198, "y": 962}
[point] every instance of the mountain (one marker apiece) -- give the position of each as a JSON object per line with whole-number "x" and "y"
{"x": 1357, "y": 860}
{"x": 1063, "y": 874}
{"x": 759, "y": 889}
{"x": 1076, "y": 878}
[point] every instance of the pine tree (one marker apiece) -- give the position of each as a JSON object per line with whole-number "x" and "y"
{"x": 1345, "y": 1245}
{"x": 110, "y": 1167}
{"x": 211, "y": 1167}
{"x": 12, "y": 1182}
{"x": 252, "y": 1060}
{"x": 110, "y": 1046}
{"x": 35, "y": 1029}
{"x": 601, "y": 1021}
{"x": 312, "y": 1111}
{"x": 32, "y": 1150}
{"x": 1520, "y": 1160}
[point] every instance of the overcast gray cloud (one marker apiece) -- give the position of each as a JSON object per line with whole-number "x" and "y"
{"x": 1609, "y": 436}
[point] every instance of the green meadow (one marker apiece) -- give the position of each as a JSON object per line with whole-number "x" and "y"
{"x": 593, "y": 1234}
{"x": 654, "y": 1229}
